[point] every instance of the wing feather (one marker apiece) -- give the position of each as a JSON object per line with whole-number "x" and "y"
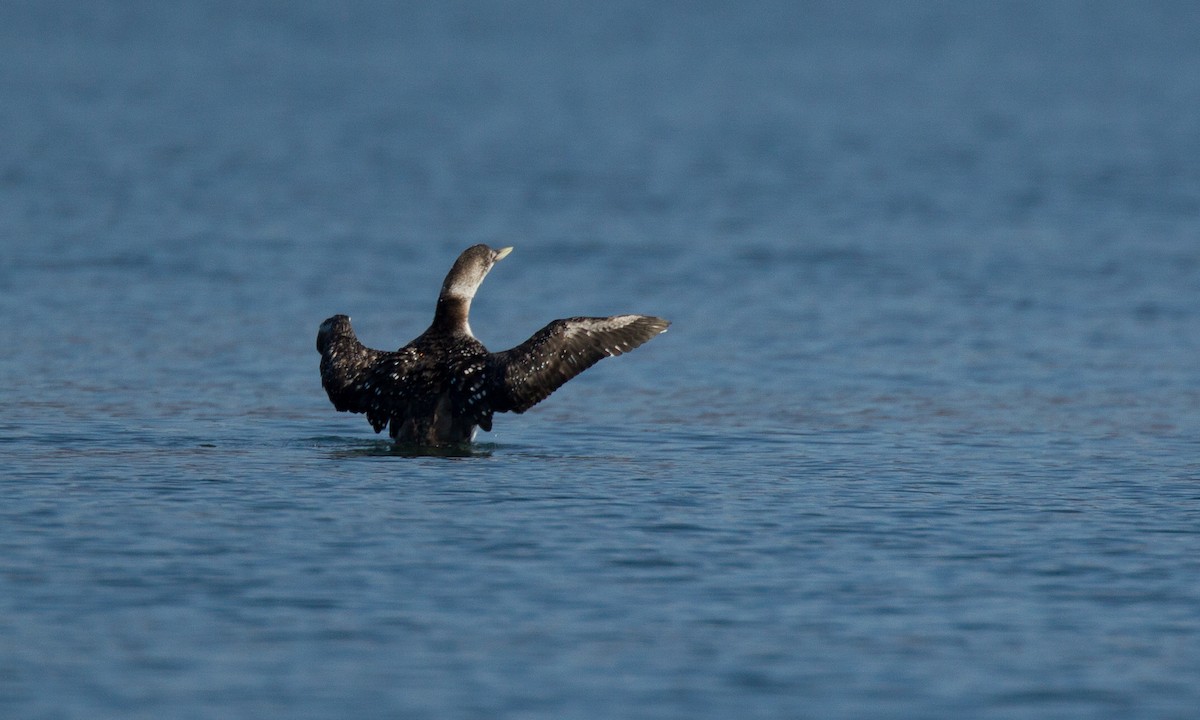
{"x": 528, "y": 373}
{"x": 356, "y": 377}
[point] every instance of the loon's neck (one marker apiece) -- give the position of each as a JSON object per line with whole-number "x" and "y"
{"x": 451, "y": 316}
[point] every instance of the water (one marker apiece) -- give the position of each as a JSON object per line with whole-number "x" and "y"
{"x": 921, "y": 442}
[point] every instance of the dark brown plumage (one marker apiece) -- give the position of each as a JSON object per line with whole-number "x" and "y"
{"x": 444, "y": 384}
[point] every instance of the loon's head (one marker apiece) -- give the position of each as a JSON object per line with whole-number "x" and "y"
{"x": 470, "y": 269}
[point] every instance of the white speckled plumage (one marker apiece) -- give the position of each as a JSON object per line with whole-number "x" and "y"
{"x": 444, "y": 384}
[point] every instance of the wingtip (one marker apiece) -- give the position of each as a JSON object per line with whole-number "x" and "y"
{"x": 661, "y": 324}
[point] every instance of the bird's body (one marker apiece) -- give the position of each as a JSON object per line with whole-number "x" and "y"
{"x": 444, "y": 384}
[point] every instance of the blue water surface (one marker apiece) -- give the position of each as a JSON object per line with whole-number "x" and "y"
{"x": 920, "y": 443}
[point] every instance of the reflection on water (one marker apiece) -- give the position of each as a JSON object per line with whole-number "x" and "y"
{"x": 341, "y": 448}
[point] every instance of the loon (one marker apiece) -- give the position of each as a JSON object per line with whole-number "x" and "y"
{"x": 440, "y": 387}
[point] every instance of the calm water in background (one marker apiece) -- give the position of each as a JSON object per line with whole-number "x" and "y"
{"x": 922, "y": 441}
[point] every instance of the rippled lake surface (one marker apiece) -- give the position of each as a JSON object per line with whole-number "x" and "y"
{"x": 922, "y": 441}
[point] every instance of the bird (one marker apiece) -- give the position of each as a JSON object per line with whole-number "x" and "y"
{"x": 444, "y": 385}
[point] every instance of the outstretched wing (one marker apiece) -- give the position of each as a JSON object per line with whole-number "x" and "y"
{"x": 527, "y": 374}
{"x": 345, "y": 366}
{"x": 356, "y": 379}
